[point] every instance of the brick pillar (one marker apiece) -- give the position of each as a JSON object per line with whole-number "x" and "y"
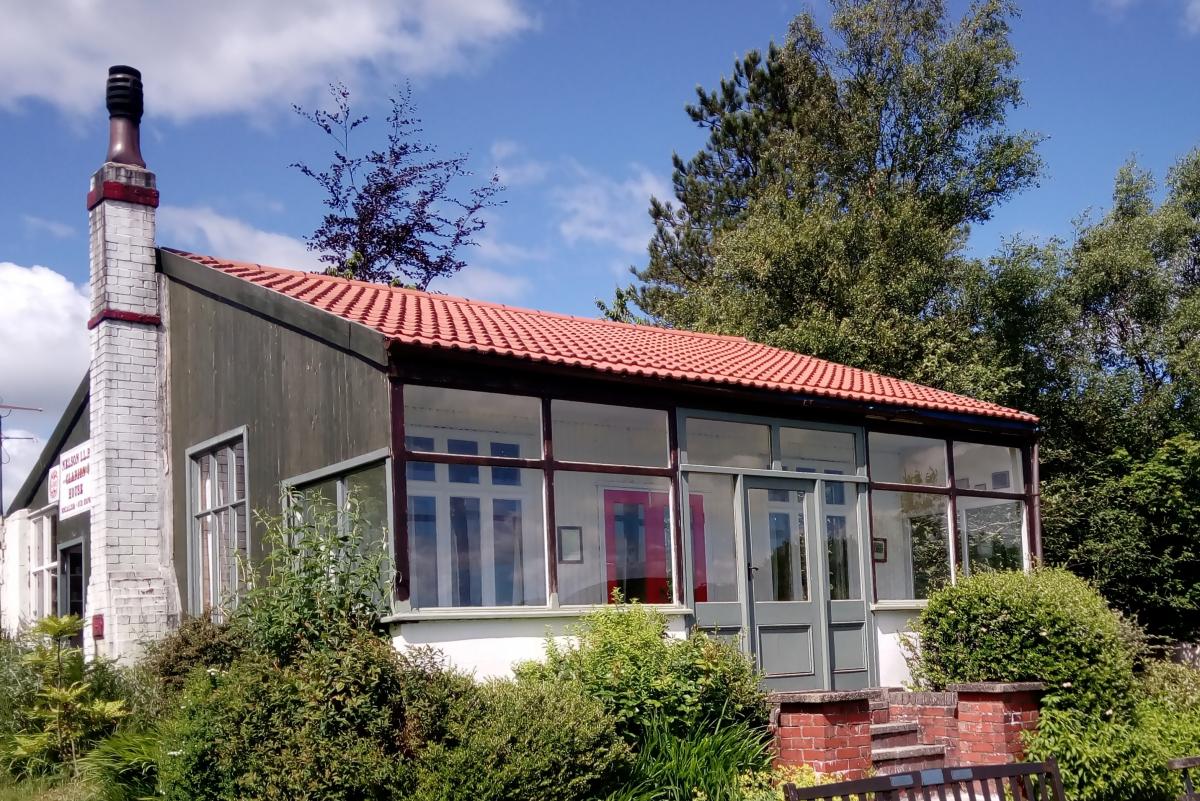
{"x": 132, "y": 596}
{"x": 936, "y": 715}
{"x": 830, "y": 731}
{"x": 992, "y": 718}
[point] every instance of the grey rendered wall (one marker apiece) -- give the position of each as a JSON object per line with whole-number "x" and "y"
{"x": 305, "y": 403}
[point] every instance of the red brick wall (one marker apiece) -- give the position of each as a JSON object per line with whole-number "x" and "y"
{"x": 832, "y": 737}
{"x": 990, "y": 726}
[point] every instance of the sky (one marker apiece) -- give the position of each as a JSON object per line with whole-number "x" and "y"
{"x": 576, "y": 105}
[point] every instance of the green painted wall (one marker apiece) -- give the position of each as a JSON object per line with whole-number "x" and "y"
{"x": 305, "y": 403}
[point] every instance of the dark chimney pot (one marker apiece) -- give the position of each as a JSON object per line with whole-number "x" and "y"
{"x": 124, "y": 101}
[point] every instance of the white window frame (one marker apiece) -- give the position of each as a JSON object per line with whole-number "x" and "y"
{"x": 225, "y": 589}
{"x": 43, "y": 599}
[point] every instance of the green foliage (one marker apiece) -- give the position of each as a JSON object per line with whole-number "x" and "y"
{"x": 525, "y": 740}
{"x": 318, "y": 586}
{"x": 65, "y": 715}
{"x": 316, "y": 705}
{"x": 714, "y": 764}
{"x": 624, "y": 658}
{"x": 124, "y": 767}
{"x": 1048, "y": 626}
{"x": 768, "y": 785}
{"x": 199, "y": 642}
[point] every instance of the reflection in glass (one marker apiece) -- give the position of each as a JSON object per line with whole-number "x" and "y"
{"x": 714, "y": 561}
{"x": 778, "y": 547}
{"x": 915, "y": 527}
{"x": 988, "y": 467}
{"x": 993, "y": 533}
{"x": 606, "y": 434}
{"x": 728, "y": 444}
{"x": 901, "y": 459}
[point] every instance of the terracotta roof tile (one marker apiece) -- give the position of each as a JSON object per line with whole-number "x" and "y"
{"x": 442, "y": 321}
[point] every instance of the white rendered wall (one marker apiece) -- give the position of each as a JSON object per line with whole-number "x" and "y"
{"x": 14, "y": 570}
{"x": 890, "y": 626}
{"x": 488, "y": 648}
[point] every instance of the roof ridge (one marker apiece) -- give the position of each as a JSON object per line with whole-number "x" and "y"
{"x": 458, "y": 298}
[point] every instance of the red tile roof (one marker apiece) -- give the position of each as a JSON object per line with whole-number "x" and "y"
{"x": 442, "y": 321}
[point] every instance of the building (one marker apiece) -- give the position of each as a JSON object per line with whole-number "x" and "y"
{"x": 519, "y": 466}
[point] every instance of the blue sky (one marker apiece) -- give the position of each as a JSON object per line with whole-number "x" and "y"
{"x": 578, "y": 106}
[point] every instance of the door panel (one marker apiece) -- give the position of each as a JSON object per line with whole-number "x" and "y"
{"x": 786, "y": 609}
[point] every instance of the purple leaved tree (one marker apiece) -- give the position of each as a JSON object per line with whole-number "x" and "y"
{"x": 391, "y": 216}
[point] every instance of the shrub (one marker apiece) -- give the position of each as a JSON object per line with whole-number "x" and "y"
{"x": 624, "y": 658}
{"x": 18, "y": 686}
{"x": 526, "y": 740}
{"x": 1173, "y": 686}
{"x": 330, "y": 725}
{"x": 767, "y": 785}
{"x": 65, "y": 715}
{"x": 1048, "y": 626}
{"x": 197, "y": 643}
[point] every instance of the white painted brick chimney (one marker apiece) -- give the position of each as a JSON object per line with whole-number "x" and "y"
{"x": 132, "y": 595}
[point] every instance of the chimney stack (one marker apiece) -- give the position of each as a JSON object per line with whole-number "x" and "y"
{"x": 132, "y": 596}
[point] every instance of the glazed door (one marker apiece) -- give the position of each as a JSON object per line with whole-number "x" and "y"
{"x": 787, "y": 593}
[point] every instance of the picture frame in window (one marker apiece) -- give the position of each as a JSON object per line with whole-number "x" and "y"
{"x": 1001, "y": 480}
{"x": 962, "y": 483}
{"x": 879, "y": 549}
{"x": 570, "y": 545}
{"x": 981, "y": 487}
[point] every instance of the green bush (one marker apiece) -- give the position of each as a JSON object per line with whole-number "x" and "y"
{"x": 767, "y": 785}
{"x": 525, "y": 741}
{"x": 317, "y": 705}
{"x": 197, "y": 643}
{"x": 623, "y": 657}
{"x": 124, "y": 767}
{"x": 1048, "y": 626}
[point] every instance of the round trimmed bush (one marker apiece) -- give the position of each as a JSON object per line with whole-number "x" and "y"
{"x": 528, "y": 740}
{"x": 1048, "y": 625}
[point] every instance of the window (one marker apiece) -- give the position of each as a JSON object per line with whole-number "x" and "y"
{"x": 359, "y": 493}
{"x": 728, "y": 444}
{"x": 476, "y": 536}
{"x": 220, "y": 532}
{"x": 715, "y": 572}
{"x": 602, "y": 434}
{"x": 901, "y": 459}
{"x": 43, "y": 567}
{"x": 911, "y": 532}
{"x": 988, "y": 467}
{"x": 440, "y": 420}
{"x": 626, "y": 533}
{"x": 992, "y": 533}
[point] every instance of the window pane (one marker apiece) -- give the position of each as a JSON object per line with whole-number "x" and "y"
{"x": 506, "y": 476}
{"x": 593, "y": 432}
{"x": 203, "y": 496}
{"x": 988, "y": 467}
{"x": 463, "y": 473}
{"x": 423, "y": 542}
{"x": 842, "y": 547}
{"x": 728, "y": 444}
{"x": 367, "y": 490}
{"x": 420, "y": 471}
{"x": 993, "y": 532}
{"x": 239, "y": 473}
{"x": 911, "y": 544}
{"x": 714, "y": 561}
{"x": 778, "y": 546}
{"x": 899, "y": 459}
{"x": 222, "y": 481}
{"x": 626, "y": 528}
{"x": 481, "y": 545}
{"x": 817, "y": 451}
{"x": 439, "y": 414}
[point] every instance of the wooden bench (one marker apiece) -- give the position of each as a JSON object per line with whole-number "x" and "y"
{"x": 1186, "y": 764}
{"x": 1021, "y": 781}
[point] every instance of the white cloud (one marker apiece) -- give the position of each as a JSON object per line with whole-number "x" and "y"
{"x": 234, "y": 56}
{"x": 201, "y": 229}
{"x": 601, "y": 210}
{"x": 1191, "y": 16}
{"x": 513, "y": 167}
{"x": 40, "y": 225}
{"x": 43, "y": 328}
{"x": 481, "y": 283}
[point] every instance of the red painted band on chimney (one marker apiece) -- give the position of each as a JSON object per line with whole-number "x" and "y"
{"x": 115, "y": 190}
{"x": 125, "y": 317}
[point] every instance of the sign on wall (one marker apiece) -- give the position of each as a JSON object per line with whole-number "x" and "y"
{"x": 52, "y": 485}
{"x": 75, "y": 481}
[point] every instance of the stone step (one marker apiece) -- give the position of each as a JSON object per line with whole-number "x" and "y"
{"x": 894, "y": 734}
{"x": 904, "y": 758}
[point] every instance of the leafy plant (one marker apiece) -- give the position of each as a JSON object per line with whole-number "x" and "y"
{"x": 124, "y": 767}
{"x": 66, "y": 715}
{"x": 198, "y": 643}
{"x": 1047, "y": 626}
{"x": 525, "y": 740}
{"x": 623, "y": 656}
{"x": 708, "y": 763}
{"x": 767, "y": 785}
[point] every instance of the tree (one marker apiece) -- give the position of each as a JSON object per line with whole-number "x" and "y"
{"x": 391, "y": 216}
{"x": 828, "y": 211}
